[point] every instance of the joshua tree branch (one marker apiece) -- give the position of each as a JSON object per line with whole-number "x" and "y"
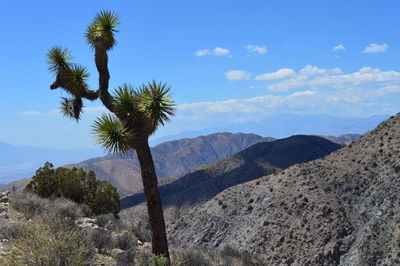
{"x": 101, "y": 60}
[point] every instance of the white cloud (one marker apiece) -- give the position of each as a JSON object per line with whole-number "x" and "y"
{"x": 95, "y": 109}
{"x": 376, "y": 48}
{"x": 54, "y": 111}
{"x": 89, "y": 110}
{"x": 279, "y": 74}
{"x": 303, "y": 93}
{"x": 256, "y": 105}
{"x": 309, "y": 70}
{"x": 310, "y": 90}
{"x": 314, "y": 77}
{"x": 235, "y": 75}
{"x": 202, "y": 52}
{"x": 31, "y": 113}
{"x": 338, "y": 48}
{"x": 218, "y": 51}
{"x": 257, "y": 48}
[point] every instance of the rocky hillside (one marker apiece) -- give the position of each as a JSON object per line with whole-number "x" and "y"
{"x": 172, "y": 158}
{"x": 341, "y": 209}
{"x": 17, "y": 185}
{"x": 344, "y": 139}
{"x": 256, "y": 161}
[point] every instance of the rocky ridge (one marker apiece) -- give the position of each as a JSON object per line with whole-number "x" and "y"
{"x": 341, "y": 209}
{"x": 258, "y": 160}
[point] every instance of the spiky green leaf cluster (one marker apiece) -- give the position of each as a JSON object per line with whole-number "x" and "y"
{"x": 155, "y": 102}
{"x": 125, "y": 102}
{"x": 72, "y": 77}
{"x": 138, "y": 114}
{"x": 113, "y": 134}
{"x": 102, "y": 30}
{"x": 58, "y": 59}
{"x": 77, "y": 80}
{"x": 72, "y": 108}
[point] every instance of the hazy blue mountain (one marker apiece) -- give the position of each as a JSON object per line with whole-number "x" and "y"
{"x": 286, "y": 125}
{"x": 21, "y": 162}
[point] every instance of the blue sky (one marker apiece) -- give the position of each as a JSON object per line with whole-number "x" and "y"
{"x": 226, "y": 61}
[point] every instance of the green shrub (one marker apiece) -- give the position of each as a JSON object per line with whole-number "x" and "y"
{"x": 77, "y": 185}
{"x": 147, "y": 259}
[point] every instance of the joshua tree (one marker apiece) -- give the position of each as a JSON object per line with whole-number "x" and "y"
{"x": 134, "y": 114}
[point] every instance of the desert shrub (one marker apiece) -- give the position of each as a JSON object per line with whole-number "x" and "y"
{"x": 147, "y": 259}
{"x": 232, "y": 256}
{"x": 141, "y": 232}
{"x": 31, "y": 205}
{"x": 189, "y": 257}
{"x": 77, "y": 185}
{"x": 124, "y": 241}
{"x": 28, "y": 203}
{"x": 101, "y": 239}
{"x": 126, "y": 259}
{"x": 10, "y": 230}
{"x": 104, "y": 219}
{"x": 66, "y": 209}
{"x": 40, "y": 243}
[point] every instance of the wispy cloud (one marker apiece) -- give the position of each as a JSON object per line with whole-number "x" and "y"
{"x": 32, "y": 113}
{"x": 376, "y": 48}
{"x": 95, "y": 109}
{"x": 88, "y": 110}
{"x": 338, "y": 48}
{"x": 218, "y": 51}
{"x": 259, "y": 49}
{"x": 235, "y": 75}
{"x": 279, "y": 74}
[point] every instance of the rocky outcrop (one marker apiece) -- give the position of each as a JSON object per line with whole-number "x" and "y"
{"x": 341, "y": 209}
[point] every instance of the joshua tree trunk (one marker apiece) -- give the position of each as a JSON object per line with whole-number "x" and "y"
{"x": 154, "y": 206}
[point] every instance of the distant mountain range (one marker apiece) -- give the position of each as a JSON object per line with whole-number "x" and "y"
{"x": 171, "y": 159}
{"x": 21, "y": 162}
{"x": 285, "y": 125}
{"x": 258, "y": 160}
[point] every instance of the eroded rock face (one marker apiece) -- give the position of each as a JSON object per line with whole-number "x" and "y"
{"x": 341, "y": 209}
